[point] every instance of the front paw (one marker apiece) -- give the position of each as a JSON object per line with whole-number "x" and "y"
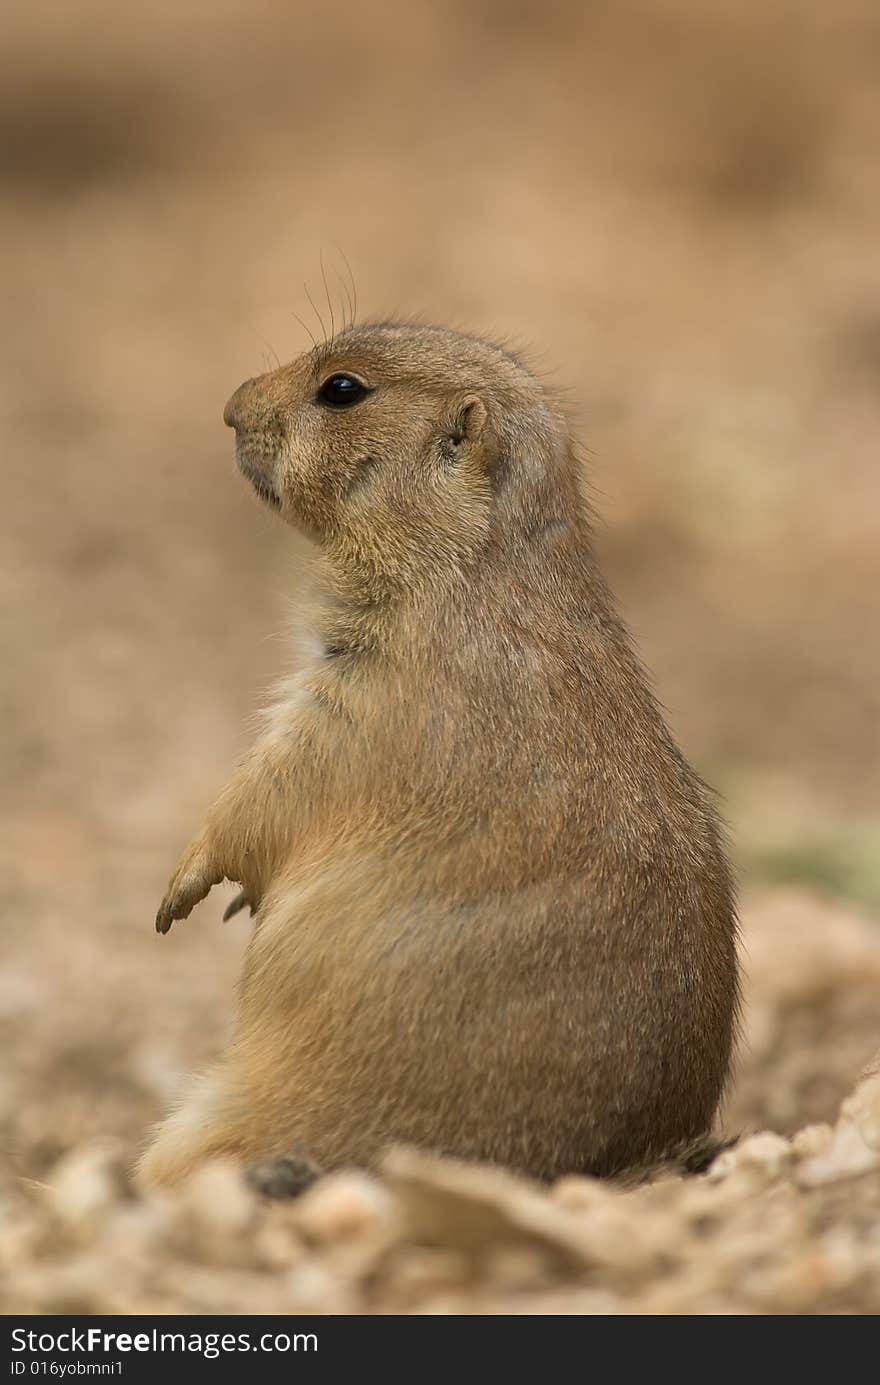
{"x": 191, "y": 882}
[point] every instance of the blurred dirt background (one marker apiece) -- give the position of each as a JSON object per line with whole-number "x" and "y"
{"x": 675, "y": 208}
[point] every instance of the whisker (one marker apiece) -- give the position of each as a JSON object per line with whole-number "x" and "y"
{"x": 327, "y": 293}
{"x": 348, "y": 321}
{"x": 354, "y": 292}
{"x": 272, "y": 351}
{"x": 315, "y": 311}
{"x": 308, "y": 329}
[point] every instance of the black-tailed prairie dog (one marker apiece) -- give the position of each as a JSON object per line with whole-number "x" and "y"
{"x": 493, "y": 916}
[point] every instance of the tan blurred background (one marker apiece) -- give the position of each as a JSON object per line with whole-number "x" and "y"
{"x": 674, "y": 206}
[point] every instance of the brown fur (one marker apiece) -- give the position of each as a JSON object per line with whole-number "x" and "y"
{"x": 493, "y": 912}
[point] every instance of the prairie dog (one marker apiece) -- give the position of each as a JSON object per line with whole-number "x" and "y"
{"x": 493, "y": 915}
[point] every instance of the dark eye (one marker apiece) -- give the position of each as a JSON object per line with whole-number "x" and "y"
{"x": 341, "y": 391}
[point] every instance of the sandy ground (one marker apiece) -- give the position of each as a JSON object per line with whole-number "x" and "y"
{"x": 675, "y": 209}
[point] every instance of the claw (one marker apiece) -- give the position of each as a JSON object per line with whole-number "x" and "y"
{"x": 236, "y": 905}
{"x": 191, "y": 882}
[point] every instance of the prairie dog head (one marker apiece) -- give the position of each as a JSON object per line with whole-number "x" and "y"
{"x": 388, "y": 442}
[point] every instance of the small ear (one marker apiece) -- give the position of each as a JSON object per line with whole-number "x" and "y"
{"x": 466, "y": 421}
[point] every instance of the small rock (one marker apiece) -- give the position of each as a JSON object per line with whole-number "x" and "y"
{"x": 476, "y": 1209}
{"x": 217, "y": 1199}
{"x": 862, "y": 1109}
{"x": 341, "y": 1207}
{"x": 765, "y": 1151}
{"x": 579, "y": 1194}
{"x": 847, "y": 1156}
{"x": 85, "y": 1185}
{"x": 812, "y": 1140}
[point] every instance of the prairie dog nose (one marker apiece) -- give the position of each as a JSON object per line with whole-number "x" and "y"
{"x": 236, "y": 411}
